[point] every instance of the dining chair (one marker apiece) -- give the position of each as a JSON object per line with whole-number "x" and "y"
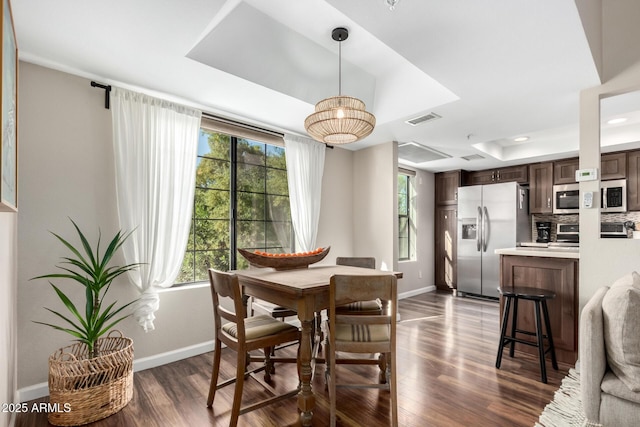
{"x": 360, "y": 307}
{"x": 244, "y": 335}
{"x": 358, "y": 333}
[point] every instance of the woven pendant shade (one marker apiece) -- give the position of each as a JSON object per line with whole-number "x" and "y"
{"x": 340, "y": 120}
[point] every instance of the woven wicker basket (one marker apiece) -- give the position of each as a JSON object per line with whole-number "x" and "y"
{"x": 86, "y": 390}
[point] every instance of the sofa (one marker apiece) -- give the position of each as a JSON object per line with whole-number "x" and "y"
{"x": 610, "y": 354}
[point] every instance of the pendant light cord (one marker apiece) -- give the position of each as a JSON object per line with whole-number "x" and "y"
{"x": 340, "y": 67}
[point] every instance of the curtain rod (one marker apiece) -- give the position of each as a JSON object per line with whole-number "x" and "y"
{"x": 107, "y": 99}
{"x": 242, "y": 125}
{"x": 107, "y": 92}
{"x": 247, "y": 126}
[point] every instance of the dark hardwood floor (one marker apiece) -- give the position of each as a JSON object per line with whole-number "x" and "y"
{"x": 446, "y": 377}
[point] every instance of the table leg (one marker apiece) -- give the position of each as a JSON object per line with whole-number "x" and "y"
{"x": 306, "y": 399}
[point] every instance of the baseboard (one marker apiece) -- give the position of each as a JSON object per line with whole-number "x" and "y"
{"x": 37, "y": 391}
{"x": 172, "y": 356}
{"x": 415, "y": 292}
{"x": 32, "y": 392}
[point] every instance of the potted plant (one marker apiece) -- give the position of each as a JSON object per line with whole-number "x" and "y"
{"x": 93, "y": 378}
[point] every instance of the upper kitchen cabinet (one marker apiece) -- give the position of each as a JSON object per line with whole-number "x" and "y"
{"x": 446, "y": 191}
{"x": 633, "y": 183}
{"x": 519, "y": 174}
{"x": 613, "y": 166}
{"x": 541, "y": 188}
{"x": 564, "y": 171}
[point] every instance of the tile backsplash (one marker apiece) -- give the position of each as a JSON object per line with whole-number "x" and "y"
{"x": 574, "y": 218}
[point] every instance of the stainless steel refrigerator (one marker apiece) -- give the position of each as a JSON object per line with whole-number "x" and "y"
{"x": 490, "y": 217}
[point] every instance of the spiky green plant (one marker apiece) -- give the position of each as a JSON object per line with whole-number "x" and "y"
{"x": 90, "y": 269}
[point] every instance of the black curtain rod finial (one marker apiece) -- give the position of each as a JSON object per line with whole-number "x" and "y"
{"x": 107, "y": 92}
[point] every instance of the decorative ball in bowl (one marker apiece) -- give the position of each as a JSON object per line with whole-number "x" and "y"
{"x": 284, "y": 261}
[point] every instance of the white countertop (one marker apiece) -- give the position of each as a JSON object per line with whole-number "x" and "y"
{"x": 555, "y": 252}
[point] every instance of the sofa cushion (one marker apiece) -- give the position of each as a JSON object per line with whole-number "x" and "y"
{"x": 614, "y": 386}
{"x": 621, "y": 313}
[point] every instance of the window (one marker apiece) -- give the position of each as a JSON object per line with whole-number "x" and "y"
{"x": 406, "y": 216}
{"x": 241, "y": 201}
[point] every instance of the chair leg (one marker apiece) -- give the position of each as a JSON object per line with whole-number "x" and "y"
{"x": 214, "y": 373}
{"x": 237, "y": 395}
{"x": 383, "y": 364}
{"x": 393, "y": 388}
{"x": 547, "y": 325}
{"x": 268, "y": 364}
{"x": 318, "y": 334}
{"x": 332, "y": 386}
{"x": 514, "y": 326}
{"x": 503, "y": 331}
{"x": 543, "y": 369}
{"x": 327, "y": 367}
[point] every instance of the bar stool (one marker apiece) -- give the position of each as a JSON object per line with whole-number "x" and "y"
{"x": 539, "y": 297}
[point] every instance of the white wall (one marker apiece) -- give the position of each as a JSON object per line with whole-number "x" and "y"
{"x": 8, "y": 312}
{"x": 601, "y": 260}
{"x": 336, "y": 212}
{"x": 66, "y": 170}
{"x": 375, "y": 212}
{"x": 419, "y": 274}
{"x": 604, "y": 260}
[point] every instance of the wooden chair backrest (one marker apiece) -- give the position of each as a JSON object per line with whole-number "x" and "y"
{"x": 364, "y": 262}
{"x": 225, "y": 284}
{"x": 345, "y": 289}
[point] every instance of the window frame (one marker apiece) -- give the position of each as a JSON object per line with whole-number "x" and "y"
{"x": 408, "y": 215}
{"x": 233, "y": 218}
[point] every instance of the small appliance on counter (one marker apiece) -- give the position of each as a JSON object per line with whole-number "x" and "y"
{"x": 613, "y": 230}
{"x": 568, "y": 233}
{"x": 543, "y": 229}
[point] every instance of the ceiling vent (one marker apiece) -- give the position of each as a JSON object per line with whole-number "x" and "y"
{"x": 472, "y": 157}
{"x": 422, "y": 119}
{"x": 417, "y": 153}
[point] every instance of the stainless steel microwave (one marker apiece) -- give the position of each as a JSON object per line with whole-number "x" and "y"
{"x": 613, "y": 197}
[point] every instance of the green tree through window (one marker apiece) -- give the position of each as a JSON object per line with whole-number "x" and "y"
{"x": 406, "y": 218}
{"x": 241, "y": 201}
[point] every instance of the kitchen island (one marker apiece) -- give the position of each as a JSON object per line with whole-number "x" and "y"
{"x": 555, "y": 269}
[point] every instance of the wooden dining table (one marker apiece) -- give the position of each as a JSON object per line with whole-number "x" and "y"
{"x": 305, "y": 290}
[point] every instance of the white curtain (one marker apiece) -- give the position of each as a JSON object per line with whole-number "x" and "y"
{"x": 305, "y": 166}
{"x": 155, "y": 144}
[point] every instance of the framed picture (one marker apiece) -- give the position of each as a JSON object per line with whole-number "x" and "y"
{"x": 9, "y": 114}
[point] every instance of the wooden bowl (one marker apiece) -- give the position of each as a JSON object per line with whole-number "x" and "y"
{"x": 283, "y": 262}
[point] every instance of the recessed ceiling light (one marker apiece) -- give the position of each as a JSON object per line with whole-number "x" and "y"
{"x": 616, "y": 121}
{"x": 521, "y": 139}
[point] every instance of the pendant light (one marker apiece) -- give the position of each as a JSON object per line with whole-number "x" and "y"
{"x": 340, "y": 119}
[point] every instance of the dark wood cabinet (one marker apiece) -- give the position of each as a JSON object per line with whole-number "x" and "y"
{"x": 564, "y": 171}
{"x": 480, "y": 177}
{"x": 559, "y": 275}
{"x": 519, "y": 174}
{"x": 633, "y": 181}
{"x": 445, "y": 246}
{"x": 613, "y": 166}
{"x": 541, "y": 188}
{"x": 446, "y": 209}
{"x": 446, "y": 187}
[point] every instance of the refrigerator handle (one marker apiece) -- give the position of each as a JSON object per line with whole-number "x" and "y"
{"x": 478, "y": 235}
{"x": 484, "y": 229}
